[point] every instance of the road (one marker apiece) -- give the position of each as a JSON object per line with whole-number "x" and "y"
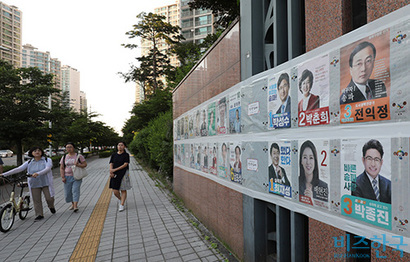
{"x": 10, "y": 161}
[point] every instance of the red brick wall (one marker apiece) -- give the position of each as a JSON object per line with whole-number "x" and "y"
{"x": 321, "y": 242}
{"x": 217, "y": 207}
{"x": 325, "y": 21}
{"x": 217, "y": 72}
{"x": 377, "y": 8}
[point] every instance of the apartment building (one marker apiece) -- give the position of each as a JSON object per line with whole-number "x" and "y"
{"x": 10, "y": 34}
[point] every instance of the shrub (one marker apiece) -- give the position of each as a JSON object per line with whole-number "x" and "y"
{"x": 106, "y": 153}
{"x": 154, "y": 143}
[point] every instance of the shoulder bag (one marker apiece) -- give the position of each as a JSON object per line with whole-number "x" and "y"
{"x": 79, "y": 172}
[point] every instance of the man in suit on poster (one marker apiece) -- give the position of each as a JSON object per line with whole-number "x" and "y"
{"x": 283, "y": 90}
{"x": 370, "y": 184}
{"x": 361, "y": 87}
{"x": 275, "y": 171}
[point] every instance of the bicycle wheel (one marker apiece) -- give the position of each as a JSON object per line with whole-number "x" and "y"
{"x": 6, "y": 218}
{"x": 25, "y": 207}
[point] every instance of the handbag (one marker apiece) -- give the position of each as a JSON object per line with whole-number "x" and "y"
{"x": 79, "y": 172}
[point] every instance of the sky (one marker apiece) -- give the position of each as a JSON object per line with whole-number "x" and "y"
{"x": 87, "y": 35}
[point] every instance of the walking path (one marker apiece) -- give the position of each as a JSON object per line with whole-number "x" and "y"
{"x": 150, "y": 229}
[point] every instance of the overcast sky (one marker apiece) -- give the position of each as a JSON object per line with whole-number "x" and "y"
{"x": 87, "y": 35}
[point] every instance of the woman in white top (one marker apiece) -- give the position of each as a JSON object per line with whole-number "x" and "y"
{"x": 41, "y": 180}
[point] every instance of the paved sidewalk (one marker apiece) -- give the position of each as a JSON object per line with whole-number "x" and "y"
{"x": 150, "y": 229}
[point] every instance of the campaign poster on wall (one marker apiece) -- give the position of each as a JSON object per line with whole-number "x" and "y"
{"x": 204, "y": 122}
{"x": 314, "y": 172}
{"x": 223, "y": 160}
{"x": 235, "y": 163}
{"x": 365, "y": 79}
{"x": 222, "y": 116}
{"x": 198, "y": 156}
{"x": 279, "y": 101}
{"x": 191, "y": 155}
{"x": 191, "y": 129}
{"x": 280, "y": 170}
{"x": 235, "y": 112}
{"x": 313, "y": 95}
{"x": 366, "y": 180}
{"x": 212, "y": 119}
{"x": 197, "y": 123}
{"x": 186, "y": 124}
{"x": 205, "y": 157}
{"x": 213, "y": 169}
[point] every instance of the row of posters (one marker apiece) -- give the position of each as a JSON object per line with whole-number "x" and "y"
{"x": 352, "y": 177}
{"x": 352, "y": 84}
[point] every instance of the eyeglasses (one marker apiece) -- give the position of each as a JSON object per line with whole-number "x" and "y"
{"x": 370, "y": 159}
{"x": 367, "y": 63}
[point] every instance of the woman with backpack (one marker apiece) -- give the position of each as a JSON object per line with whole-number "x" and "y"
{"x": 71, "y": 185}
{"x": 41, "y": 180}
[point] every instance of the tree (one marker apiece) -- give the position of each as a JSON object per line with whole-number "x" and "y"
{"x": 153, "y": 29}
{"x": 143, "y": 113}
{"x": 24, "y": 94}
{"x": 225, "y": 11}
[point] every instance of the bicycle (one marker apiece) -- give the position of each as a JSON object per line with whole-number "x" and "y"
{"x": 8, "y": 212}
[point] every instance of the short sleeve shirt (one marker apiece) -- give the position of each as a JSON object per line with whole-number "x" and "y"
{"x": 69, "y": 162}
{"x": 118, "y": 160}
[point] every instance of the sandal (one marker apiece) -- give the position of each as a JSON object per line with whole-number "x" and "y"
{"x": 75, "y": 210}
{"x": 71, "y": 208}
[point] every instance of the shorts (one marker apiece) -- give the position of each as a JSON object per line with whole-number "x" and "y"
{"x": 115, "y": 182}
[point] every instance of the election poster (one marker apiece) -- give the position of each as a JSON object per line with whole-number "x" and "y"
{"x": 279, "y": 101}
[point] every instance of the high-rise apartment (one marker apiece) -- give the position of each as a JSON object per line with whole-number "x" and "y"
{"x": 32, "y": 57}
{"x": 10, "y": 34}
{"x": 70, "y": 83}
{"x": 83, "y": 101}
{"x": 195, "y": 24}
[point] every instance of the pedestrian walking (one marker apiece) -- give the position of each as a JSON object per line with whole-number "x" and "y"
{"x": 71, "y": 185}
{"x": 119, "y": 174}
{"x": 41, "y": 180}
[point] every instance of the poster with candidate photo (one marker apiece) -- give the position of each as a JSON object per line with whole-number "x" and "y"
{"x": 235, "y": 112}
{"x": 198, "y": 156}
{"x": 314, "y": 172}
{"x": 204, "y": 121}
{"x": 366, "y": 180}
{"x": 365, "y": 79}
{"x": 212, "y": 119}
{"x": 235, "y": 163}
{"x": 313, "y": 95}
{"x": 213, "y": 153}
{"x": 191, "y": 129}
{"x": 280, "y": 169}
{"x": 223, "y": 160}
{"x": 279, "y": 101}
{"x": 197, "y": 123}
{"x": 222, "y": 116}
{"x": 205, "y": 157}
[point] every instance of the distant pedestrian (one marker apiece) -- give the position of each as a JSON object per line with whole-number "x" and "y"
{"x": 1, "y": 165}
{"x": 41, "y": 180}
{"x": 119, "y": 174}
{"x": 71, "y": 186}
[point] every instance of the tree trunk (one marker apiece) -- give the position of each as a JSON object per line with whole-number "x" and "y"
{"x": 19, "y": 153}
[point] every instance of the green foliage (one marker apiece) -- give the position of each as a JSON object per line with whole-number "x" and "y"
{"x": 225, "y": 11}
{"x": 143, "y": 113}
{"x": 24, "y": 94}
{"x": 154, "y": 143}
{"x": 153, "y": 29}
{"x": 104, "y": 154}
